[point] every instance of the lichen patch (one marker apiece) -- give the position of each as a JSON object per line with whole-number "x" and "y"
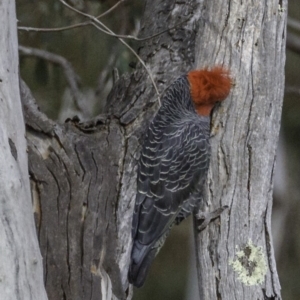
{"x": 250, "y": 264}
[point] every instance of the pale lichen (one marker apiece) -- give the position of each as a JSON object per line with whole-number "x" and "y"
{"x": 281, "y": 9}
{"x": 250, "y": 264}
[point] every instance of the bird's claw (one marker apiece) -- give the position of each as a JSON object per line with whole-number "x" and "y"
{"x": 206, "y": 217}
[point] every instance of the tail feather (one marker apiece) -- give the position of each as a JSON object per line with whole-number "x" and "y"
{"x": 141, "y": 260}
{"x": 142, "y": 257}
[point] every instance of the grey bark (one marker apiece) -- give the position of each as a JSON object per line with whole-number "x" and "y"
{"x": 235, "y": 254}
{"x": 83, "y": 175}
{"x": 21, "y": 275}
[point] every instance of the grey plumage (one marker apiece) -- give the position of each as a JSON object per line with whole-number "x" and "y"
{"x": 172, "y": 170}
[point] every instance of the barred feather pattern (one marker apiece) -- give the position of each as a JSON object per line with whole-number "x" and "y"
{"x": 171, "y": 173}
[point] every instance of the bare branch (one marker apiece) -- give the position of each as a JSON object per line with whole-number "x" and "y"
{"x": 293, "y": 23}
{"x": 131, "y": 37}
{"x": 71, "y": 76}
{"x": 107, "y": 30}
{"x": 106, "y": 71}
{"x": 110, "y": 9}
{"x": 82, "y": 24}
{"x": 128, "y": 37}
{"x": 33, "y": 116}
{"x": 292, "y": 90}
{"x": 36, "y": 29}
{"x": 293, "y": 42}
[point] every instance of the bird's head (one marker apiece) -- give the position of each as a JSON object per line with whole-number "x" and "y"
{"x": 208, "y": 87}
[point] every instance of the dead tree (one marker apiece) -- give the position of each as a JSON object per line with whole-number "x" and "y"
{"x": 21, "y": 262}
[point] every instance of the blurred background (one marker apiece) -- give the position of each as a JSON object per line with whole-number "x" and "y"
{"x": 93, "y": 56}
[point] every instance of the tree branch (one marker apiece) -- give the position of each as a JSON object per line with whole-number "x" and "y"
{"x": 293, "y": 42}
{"x": 71, "y": 76}
{"x": 36, "y": 29}
{"x": 292, "y": 90}
{"x": 36, "y": 119}
{"x": 82, "y": 24}
{"x": 110, "y": 9}
{"x": 293, "y": 23}
{"x": 106, "y": 30}
{"x": 123, "y": 36}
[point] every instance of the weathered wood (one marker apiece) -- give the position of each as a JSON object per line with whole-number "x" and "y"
{"x": 75, "y": 173}
{"x": 21, "y": 275}
{"x": 250, "y": 37}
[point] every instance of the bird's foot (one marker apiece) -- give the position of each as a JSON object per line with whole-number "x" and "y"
{"x": 204, "y": 218}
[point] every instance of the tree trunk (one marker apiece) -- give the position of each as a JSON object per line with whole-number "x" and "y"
{"x": 83, "y": 175}
{"x": 235, "y": 254}
{"x": 21, "y": 275}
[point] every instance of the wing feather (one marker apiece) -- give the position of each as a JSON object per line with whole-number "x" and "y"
{"x": 172, "y": 161}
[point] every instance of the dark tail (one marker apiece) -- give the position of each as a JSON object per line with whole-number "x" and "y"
{"x": 141, "y": 260}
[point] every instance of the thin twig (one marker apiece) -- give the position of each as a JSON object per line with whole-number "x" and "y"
{"x": 129, "y": 37}
{"x": 110, "y": 9}
{"x": 293, "y": 42}
{"x": 136, "y": 55}
{"x": 55, "y": 29}
{"x": 292, "y": 90}
{"x": 36, "y": 29}
{"x": 107, "y": 30}
{"x": 293, "y": 23}
{"x": 71, "y": 76}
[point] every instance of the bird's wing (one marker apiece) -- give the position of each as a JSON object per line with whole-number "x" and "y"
{"x": 172, "y": 162}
